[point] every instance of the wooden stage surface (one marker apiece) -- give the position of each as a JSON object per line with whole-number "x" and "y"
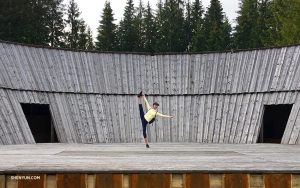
{"x": 160, "y": 158}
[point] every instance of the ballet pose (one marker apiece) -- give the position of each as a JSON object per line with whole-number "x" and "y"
{"x": 149, "y": 117}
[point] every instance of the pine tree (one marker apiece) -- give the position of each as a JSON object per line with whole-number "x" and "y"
{"x": 107, "y": 39}
{"x": 247, "y": 31}
{"x": 127, "y": 33}
{"x": 73, "y": 22}
{"x": 82, "y": 35}
{"x": 150, "y": 29}
{"x": 290, "y": 22}
{"x": 225, "y": 35}
{"x": 25, "y": 21}
{"x": 160, "y": 34}
{"x": 262, "y": 25}
{"x": 195, "y": 21}
{"x": 90, "y": 41}
{"x": 56, "y": 23}
{"x": 211, "y": 34}
{"x": 188, "y": 26}
{"x": 139, "y": 45}
{"x": 173, "y": 26}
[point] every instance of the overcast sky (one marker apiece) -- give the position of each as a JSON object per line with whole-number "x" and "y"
{"x": 92, "y": 9}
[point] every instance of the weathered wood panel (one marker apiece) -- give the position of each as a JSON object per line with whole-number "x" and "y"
{"x": 278, "y": 180}
{"x": 95, "y": 118}
{"x": 46, "y": 69}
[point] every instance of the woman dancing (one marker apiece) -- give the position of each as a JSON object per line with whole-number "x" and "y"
{"x": 149, "y": 117}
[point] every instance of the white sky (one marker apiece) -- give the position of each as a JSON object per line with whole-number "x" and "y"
{"x": 92, "y": 9}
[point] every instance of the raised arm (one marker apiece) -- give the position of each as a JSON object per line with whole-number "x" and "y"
{"x": 165, "y": 116}
{"x": 147, "y": 104}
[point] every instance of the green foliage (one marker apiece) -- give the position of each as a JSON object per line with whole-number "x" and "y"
{"x": 150, "y": 29}
{"x": 56, "y": 23}
{"x": 107, "y": 39}
{"x": 249, "y": 26}
{"x": 127, "y": 35}
{"x": 214, "y": 33}
{"x": 171, "y": 27}
{"x": 139, "y": 27}
{"x": 26, "y": 21}
{"x": 289, "y": 20}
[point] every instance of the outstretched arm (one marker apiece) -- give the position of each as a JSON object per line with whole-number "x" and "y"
{"x": 165, "y": 116}
{"x": 147, "y": 104}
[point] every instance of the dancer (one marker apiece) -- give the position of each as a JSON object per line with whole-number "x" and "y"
{"x": 149, "y": 117}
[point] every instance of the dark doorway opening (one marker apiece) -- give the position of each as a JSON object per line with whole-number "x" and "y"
{"x": 40, "y": 122}
{"x": 274, "y": 123}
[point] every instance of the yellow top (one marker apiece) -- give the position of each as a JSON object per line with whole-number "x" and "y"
{"x": 151, "y": 112}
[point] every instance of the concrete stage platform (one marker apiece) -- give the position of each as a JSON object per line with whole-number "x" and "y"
{"x": 181, "y": 164}
{"x": 161, "y": 157}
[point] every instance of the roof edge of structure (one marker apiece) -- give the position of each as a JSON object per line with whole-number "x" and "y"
{"x": 147, "y": 53}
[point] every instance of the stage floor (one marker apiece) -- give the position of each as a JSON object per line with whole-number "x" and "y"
{"x": 160, "y": 158}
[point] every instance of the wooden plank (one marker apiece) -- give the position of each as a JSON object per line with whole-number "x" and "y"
{"x": 287, "y": 64}
{"x": 250, "y": 73}
{"x": 295, "y": 181}
{"x": 213, "y": 60}
{"x": 161, "y": 76}
{"x": 209, "y": 72}
{"x": 2, "y": 181}
{"x": 287, "y": 135}
{"x": 229, "y": 121}
{"x": 236, "y": 113}
{"x": 236, "y": 181}
{"x": 208, "y": 104}
{"x": 187, "y": 180}
{"x": 22, "y": 122}
{"x": 8, "y": 116}
{"x": 104, "y": 180}
{"x": 160, "y": 181}
{"x": 236, "y": 71}
{"x": 216, "y": 180}
{"x": 272, "y": 68}
{"x": 102, "y": 127}
{"x": 220, "y": 61}
{"x": 248, "y": 119}
{"x": 164, "y": 122}
{"x": 11, "y": 182}
{"x": 195, "y": 180}
{"x": 31, "y": 180}
{"x": 230, "y": 72}
{"x": 193, "y": 124}
{"x": 173, "y": 73}
{"x": 256, "y": 119}
{"x": 201, "y": 63}
{"x": 90, "y": 181}
{"x": 256, "y": 181}
{"x": 18, "y": 62}
{"x": 177, "y": 181}
{"x": 265, "y": 55}
{"x": 225, "y": 115}
{"x": 71, "y": 180}
{"x": 5, "y": 75}
{"x": 51, "y": 181}
{"x": 11, "y": 68}
{"x": 133, "y": 180}
{"x": 218, "y": 121}
{"x": 277, "y": 180}
{"x": 125, "y": 180}
{"x": 117, "y": 180}
{"x": 241, "y": 75}
{"x": 144, "y": 180}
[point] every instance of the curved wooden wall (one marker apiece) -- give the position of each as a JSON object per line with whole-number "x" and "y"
{"x": 216, "y": 97}
{"x": 44, "y": 69}
{"x": 94, "y": 118}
